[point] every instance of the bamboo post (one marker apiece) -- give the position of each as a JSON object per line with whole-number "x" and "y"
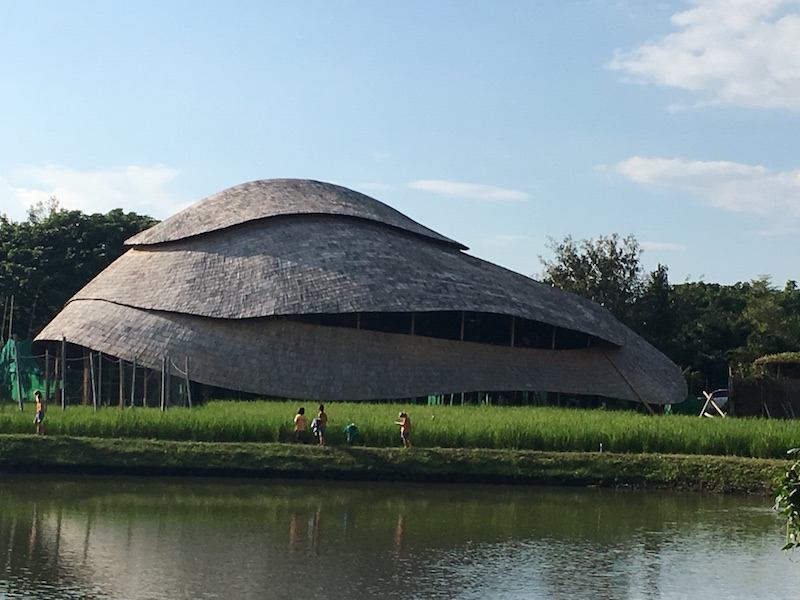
{"x": 163, "y": 383}
{"x": 63, "y": 373}
{"x": 91, "y": 373}
{"x": 100, "y": 378}
{"x": 47, "y": 375}
{"x": 56, "y": 379}
{"x": 188, "y": 383}
{"x": 16, "y": 369}
{"x": 87, "y": 384}
{"x": 121, "y": 383}
{"x": 133, "y": 382}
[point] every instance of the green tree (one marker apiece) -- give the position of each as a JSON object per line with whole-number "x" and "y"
{"x": 607, "y": 270}
{"x": 48, "y": 258}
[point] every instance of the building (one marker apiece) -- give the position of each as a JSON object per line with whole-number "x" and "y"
{"x": 308, "y": 290}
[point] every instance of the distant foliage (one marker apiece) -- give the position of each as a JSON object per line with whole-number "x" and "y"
{"x": 705, "y": 328}
{"x": 48, "y": 258}
{"x": 606, "y": 270}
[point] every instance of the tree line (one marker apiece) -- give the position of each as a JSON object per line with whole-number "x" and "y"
{"x": 707, "y": 329}
{"x": 47, "y": 258}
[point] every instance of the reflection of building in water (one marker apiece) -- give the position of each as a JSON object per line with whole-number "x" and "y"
{"x": 400, "y": 531}
{"x": 294, "y": 530}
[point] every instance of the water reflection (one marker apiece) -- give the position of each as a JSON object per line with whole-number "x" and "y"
{"x": 156, "y": 538}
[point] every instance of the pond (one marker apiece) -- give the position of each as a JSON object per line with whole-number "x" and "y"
{"x": 155, "y": 538}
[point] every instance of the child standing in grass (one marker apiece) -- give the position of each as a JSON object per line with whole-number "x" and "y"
{"x": 405, "y": 429}
{"x": 322, "y": 423}
{"x": 40, "y": 409}
{"x": 300, "y": 421}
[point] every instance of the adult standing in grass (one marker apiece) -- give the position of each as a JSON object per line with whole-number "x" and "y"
{"x": 40, "y": 410}
{"x": 300, "y": 421}
{"x": 405, "y": 429}
{"x": 322, "y": 424}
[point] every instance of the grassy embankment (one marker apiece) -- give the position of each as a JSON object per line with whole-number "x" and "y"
{"x": 471, "y": 443}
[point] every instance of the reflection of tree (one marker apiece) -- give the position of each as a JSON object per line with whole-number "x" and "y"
{"x": 230, "y": 539}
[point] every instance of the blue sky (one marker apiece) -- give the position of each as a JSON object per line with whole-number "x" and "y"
{"x": 497, "y": 124}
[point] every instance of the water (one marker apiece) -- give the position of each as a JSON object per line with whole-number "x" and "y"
{"x": 187, "y": 538}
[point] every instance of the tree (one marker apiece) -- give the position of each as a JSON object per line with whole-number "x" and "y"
{"x": 606, "y": 270}
{"x": 48, "y": 258}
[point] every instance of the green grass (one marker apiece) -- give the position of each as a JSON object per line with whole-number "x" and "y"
{"x": 522, "y": 428}
{"x": 62, "y": 454}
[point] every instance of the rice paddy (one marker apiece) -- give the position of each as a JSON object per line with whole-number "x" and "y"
{"x": 522, "y": 428}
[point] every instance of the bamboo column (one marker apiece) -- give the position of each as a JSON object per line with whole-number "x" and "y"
{"x": 133, "y": 382}
{"x": 63, "y": 373}
{"x": 188, "y": 383}
{"x": 16, "y": 369}
{"x": 47, "y": 376}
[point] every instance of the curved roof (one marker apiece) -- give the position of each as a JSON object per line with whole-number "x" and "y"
{"x": 331, "y": 265}
{"x": 208, "y": 283}
{"x": 302, "y": 361}
{"x": 273, "y": 198}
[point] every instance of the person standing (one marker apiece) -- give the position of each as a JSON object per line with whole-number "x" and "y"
{"x": 405, "y": 429}
{"x": 322, "y": 424}
{"x": 40, "y": 410}
{"x": 300, "y": 421}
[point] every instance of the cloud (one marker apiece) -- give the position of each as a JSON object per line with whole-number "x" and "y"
{"x": 469, "y": 190}
{"x": 132, "y": 188}
{"x": 726, "y": 185}
{"x": 730, "y": 52}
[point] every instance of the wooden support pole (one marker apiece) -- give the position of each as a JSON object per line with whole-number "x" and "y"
{"x": 47, "y": 376}
{"x": 16, "y": 369}
{"x": 87, "y": 383}
{"x": 94, "y": 386}
{"x": 63, "y": 372}
{"x": 188, "y": 383}
{"x": 133, "y": 383}
{"x": 145, "y": 376}
{"x": 56, "y": 379}
{"x": 463, "y": 318}
{"x": 100, "y": 378}
{"x": 163, "y": 383}
{"x": 121, "y": 383}
{"x": 513, "y": 323}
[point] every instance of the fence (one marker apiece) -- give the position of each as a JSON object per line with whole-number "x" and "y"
{"x": 100, "y": 380}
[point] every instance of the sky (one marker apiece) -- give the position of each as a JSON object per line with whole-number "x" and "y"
{"x": 502, "y": 125}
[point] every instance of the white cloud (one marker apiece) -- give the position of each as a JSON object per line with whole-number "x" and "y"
{"x": 469, "y": 190}
{"x": 132, "y": 188}
{"x": 727, "y": 185}
{"x": 730, "y": 52}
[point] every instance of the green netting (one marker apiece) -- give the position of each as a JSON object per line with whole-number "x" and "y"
{"x": 31, "y": 377}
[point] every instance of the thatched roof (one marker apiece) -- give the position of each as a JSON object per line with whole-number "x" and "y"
{"x": 274, "y": 198}
{"x": 235, "y": 283}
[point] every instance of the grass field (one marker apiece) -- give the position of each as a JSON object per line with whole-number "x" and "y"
{"x": 525, "y": 428}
